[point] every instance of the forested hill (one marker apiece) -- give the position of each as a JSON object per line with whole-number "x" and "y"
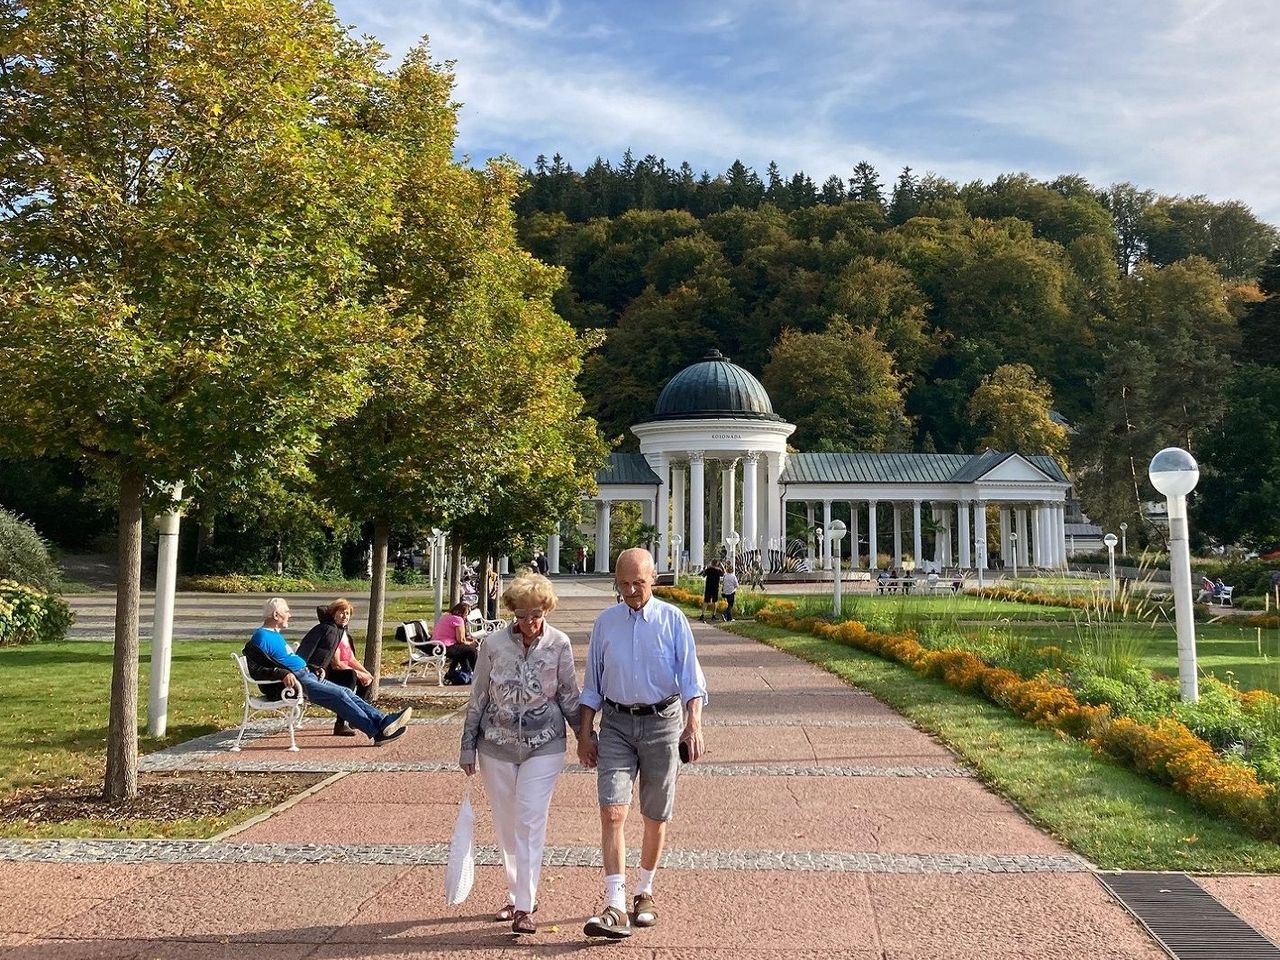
{"x": 873, "y": 312}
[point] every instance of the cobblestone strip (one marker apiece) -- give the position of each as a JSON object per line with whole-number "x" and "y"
{"x": 194, "y": 754}
{"x": 429, "y": 766}
{"x": 437, "y": 854}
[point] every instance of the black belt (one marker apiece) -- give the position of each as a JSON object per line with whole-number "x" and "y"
{"x": 643, "y": 709}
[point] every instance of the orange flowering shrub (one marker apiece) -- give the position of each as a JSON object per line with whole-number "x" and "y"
{"x": 681, "y": 595}
{"x": 1166, "y": 751}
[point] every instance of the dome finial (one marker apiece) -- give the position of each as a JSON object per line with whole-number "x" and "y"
{"x": 714, "y": 354}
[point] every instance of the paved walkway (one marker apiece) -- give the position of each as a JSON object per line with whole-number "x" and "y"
{"x": 820, "y": 824}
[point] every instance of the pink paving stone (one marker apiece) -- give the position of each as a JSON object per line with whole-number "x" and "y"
{"x": 154, "y": 950}
{"x": 1003, "y": 916}
{"x": 1255, "y": 899}
{"x": 32, "y": 915}
{"x": 859, "y": 814}
{"x": 255, "y": 903}
{"x": 72, "y": 880}
{"x": 696, "y": 908}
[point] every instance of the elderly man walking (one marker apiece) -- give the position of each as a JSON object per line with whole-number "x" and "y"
{"x": 644, "y": 679}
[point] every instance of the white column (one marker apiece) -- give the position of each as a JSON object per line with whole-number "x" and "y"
{"x": 1006, "y": 553}
{"x": 826, "y": 534}
{"x": 948, "y": 544}
{"x": 697, "y": 511}
{"x": 728, "y": 504}
{"x": 750, "y": 509}
{"x": 663, "y": 510}
{"x": 939, "y": 535}
{"x": 1020, "y": 528}
{"x": 915, "y": 534}
{"x": 162, "y": 615}
{"x": 603, "y": 515}
{"x": 855, "y": 549}
{"x": 813, "y": 544}
{"x": 553, "y": 553}
{"x": 678, "y": 506}
{"x": 773, "y": 500}
{"x": 1037, "y": 534}
{"x": 980, "y": 531}
{"x": 962, "y": 514}
{"x": 873, "y": 540}
{"x": 897, "y": 536}
{"x": 504, "y": 565}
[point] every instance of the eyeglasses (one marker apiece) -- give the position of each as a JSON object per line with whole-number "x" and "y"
{"x": 529, "y": 614}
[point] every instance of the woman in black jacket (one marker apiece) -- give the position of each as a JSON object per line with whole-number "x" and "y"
{"x": 327, "y": 646}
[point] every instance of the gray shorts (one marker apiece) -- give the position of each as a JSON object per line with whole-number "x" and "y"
{"x": 649, "y": 746}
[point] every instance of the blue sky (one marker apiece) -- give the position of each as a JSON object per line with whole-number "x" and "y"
{"x": 1180, "y": 96}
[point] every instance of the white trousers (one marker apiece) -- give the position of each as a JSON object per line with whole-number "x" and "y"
{"x": 520, "y": 796}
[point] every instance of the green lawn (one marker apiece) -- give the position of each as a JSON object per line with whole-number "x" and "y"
{"x": 1112, "y": 816}
{"x": 53, "y": 718}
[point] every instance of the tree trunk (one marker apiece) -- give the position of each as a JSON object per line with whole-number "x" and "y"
{"x": 483, "y": 566}
{"x": 279, "y": 557}
{"x": 455, "y": 570}
{"x": 377, "y": 596}
{"x": 121, "y": 781}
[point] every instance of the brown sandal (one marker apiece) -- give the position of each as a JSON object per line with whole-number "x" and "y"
{"x": 522, "y": 923}
{"x": 508, "y": 913}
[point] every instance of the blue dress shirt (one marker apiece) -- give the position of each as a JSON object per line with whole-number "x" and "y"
{"x": 642, "y": 656}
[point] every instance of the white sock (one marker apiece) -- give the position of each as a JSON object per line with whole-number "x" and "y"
{"x": 645, "y": 883}
{"x": 615, "y": 890}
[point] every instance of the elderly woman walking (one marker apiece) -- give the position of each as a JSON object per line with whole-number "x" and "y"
{"x": 524, "y": 694}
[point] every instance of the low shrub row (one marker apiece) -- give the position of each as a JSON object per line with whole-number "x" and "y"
{"x": 1012, "y": 595}
{"x": 242, "y": 583}
{"x": 28, "y": 615}
{"x": 1165, "y": 749}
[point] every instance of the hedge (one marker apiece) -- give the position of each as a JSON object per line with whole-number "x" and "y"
{"x": 28, "y": 615}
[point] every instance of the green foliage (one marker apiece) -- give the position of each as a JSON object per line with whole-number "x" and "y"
{"x": 1014, "y": 407}
{"x": 24, "y": 556}
{"x": 245, "y": 583}
{"x": 28, "y": 615}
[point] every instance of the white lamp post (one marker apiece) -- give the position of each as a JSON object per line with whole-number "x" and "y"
{"x": 980, "y": 549}
{"x": 1175, "y": 473}
{"x": 1013, "y": 542}
{"x": 836, "y": 532}
{"x": 676, "y": 540}
{"x": 732, "y": 541}
{"x": 437, "y": 553}
{"x": 1111, "y": 541}
{"x": 162, "y": 613}
{"x": 1124, "y": 540}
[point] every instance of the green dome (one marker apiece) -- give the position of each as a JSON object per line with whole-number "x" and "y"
{"x": 713, "y": 388}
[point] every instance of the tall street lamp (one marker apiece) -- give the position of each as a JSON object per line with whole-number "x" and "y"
{"x": 1175, "y": 473}
{"x": 731, "y": 542}
{"x": 437, "y": 554}
{"x": 675, "y": 548}
{"x": 1013, "y": 542}
{"x": 1124, "y": 540}
{"x": 980, "y": 549}
{"x": 836, "y": 532}
{"x": 1111, "y": 541}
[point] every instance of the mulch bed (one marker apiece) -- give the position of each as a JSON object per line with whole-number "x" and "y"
{"x": 167, "y": 797}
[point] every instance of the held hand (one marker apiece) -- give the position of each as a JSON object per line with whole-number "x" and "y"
{"x": 588, "y": 753}
{"x": 468, "y": 768}
{"x": 290, "y": 681}
{"x": 364, "y": 677}
{"x": 692, "y": 735}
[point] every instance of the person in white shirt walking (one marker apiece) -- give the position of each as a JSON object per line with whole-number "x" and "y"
{"x": 644, "y": 679}
{"x": 730, "y": 588}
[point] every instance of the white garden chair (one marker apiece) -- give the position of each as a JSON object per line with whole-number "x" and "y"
{"x": 423, "y": 652}
{"x": 289, "y": 706}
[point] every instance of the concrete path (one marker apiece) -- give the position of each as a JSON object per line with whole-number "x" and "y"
{"x": 821, "y": 824}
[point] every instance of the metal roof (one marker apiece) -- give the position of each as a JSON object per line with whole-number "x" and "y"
{"x": 627, "y": 468}
{"x": 903, "y": 467}
{"x": 714, "y": 388}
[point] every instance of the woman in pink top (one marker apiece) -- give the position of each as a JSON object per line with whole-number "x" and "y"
{"x": 450, "y": 631}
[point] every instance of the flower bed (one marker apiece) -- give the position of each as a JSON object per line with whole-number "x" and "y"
{"x": 1165, "y": 750}
{"x": 242, "y": 583}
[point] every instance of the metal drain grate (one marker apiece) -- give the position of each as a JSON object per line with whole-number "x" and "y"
{"x": 1188, "y": 922}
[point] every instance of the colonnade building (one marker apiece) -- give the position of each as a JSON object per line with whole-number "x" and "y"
{"x": 713, "y": 467}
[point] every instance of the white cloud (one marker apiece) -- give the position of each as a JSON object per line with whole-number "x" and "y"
{"x": 1180, "y": 97}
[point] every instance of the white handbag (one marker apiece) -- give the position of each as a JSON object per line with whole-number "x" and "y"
{"x": 460, "y": 873}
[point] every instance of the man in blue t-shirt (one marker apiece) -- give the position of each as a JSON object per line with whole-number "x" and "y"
{"x": 270, "y": 659}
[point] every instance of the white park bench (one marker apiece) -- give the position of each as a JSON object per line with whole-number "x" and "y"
{"x": 290, "y": 705}
{"x": 423, "y": 651}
